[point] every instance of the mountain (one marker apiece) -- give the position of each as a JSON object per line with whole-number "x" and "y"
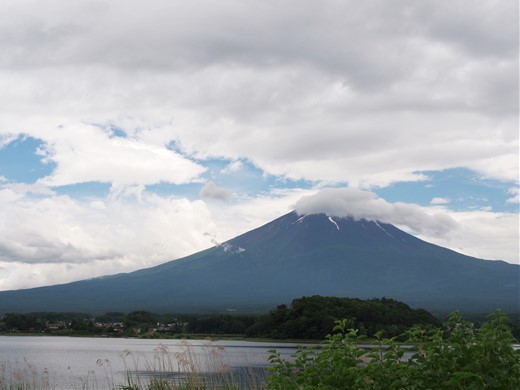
{"x": 290, "y": 257}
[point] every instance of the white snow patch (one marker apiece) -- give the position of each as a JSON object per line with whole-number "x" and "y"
{"x": 301, "y": 219}
{"x": 229, "y": 248}
{"x": 334, "y": 222}
{"x": 380, "y": 227}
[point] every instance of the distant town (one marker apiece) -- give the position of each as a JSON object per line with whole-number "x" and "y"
{"x": 134, "y": 324}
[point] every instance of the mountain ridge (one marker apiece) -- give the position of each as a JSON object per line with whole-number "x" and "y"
{"x": 290, "y": 257}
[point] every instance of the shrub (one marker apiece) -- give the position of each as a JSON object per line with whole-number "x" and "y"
{"x": 456, "y": 357}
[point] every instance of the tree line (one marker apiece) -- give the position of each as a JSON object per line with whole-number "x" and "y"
{"x": 305, "y": 318}
{"x": 133, "y": 324}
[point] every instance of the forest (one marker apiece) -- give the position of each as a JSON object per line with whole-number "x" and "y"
{"x": 314, "y": 317}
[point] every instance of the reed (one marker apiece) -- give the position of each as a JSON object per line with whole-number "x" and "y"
{"x": 187, "y": 369}
{"x": 23, "y": 376}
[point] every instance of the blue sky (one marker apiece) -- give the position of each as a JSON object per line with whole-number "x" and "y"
{"x": 132, "y": 134}
{"x": 460, "y": 188}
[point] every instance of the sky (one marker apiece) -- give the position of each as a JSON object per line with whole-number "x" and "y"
{"x": 137, "y": 132}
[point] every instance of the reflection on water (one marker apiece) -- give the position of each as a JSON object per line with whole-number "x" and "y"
{"x": 98, "y": 363}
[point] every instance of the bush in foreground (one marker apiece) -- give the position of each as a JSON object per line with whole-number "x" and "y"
{"x": 458, "y": 357}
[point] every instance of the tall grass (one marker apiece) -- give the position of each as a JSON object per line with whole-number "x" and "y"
{"x": 166, "y": 370}
{"x": 210, "y": 369}
{"x": 22, "y": 375}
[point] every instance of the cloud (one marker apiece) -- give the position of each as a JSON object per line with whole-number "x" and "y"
{"x": 424, "y": 86}
{"x": 83, "y": 153}
{"x": 212, "y": 191}
{"x": 482, "y": 234}
{"x": 232, "y": 167}
{"x": 515, "y": 198}
{"x": 349, "y": 202}
{"x": 6, "y": 139}
{"x": 59, "y": 229}
{"x": 435, "y": 201}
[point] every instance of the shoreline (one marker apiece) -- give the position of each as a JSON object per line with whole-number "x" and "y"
{"x": 194, "y": 336}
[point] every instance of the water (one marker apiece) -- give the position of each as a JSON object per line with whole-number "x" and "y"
{"x": 99, "y": 363}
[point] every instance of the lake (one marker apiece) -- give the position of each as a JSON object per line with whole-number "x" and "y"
{"x": 99, "y": 363}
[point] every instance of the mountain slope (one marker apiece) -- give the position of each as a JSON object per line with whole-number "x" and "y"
{"x": 287, "y": 258}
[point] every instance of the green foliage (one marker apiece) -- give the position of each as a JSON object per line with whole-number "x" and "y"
{"x": 515, "y": 328}
{"x": 21, "y": 322}
{"x": 457, "y": 357}
{"x": 140, "y": 318}
{"x": 314, "y": 317}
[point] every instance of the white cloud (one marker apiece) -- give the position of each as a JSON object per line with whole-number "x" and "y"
{"x": 212, "y": 191}
{"x": 435, "y": 201}
{"x": 22, "y": 188}
{"x": 84, "y": 153}
{"x": 232, "y": 167}
{"x": 133, "y": 234}
{"x": 482, "y": 234}
{"x": 349, "y": 202}
{"x": 6, "y": 139}
{"x": 424, "y": 86}
{"x": 515, "y": 198}
{"x": 8, "y": 195}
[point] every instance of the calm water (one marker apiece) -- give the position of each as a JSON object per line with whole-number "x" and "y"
{"x": 97, "y": 363}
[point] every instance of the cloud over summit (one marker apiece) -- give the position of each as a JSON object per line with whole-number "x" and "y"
{"x": 358, "y": 204}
